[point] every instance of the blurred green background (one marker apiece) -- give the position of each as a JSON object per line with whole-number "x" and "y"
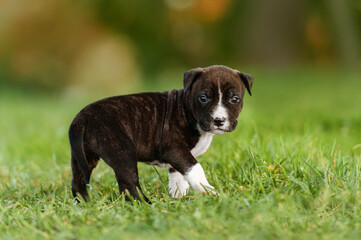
{"x": 112, "y": 46}
{"x": 292, "y": 168}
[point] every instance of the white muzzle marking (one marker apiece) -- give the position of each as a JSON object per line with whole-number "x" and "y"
{"x": 220, "y": 112}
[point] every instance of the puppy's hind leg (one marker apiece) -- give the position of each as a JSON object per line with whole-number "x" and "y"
{"x": 122, "y": 158}
{"x": 78, "y": 184}
{"x": 130, "y": 183}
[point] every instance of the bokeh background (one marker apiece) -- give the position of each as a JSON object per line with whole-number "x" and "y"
{"x": 291, "y": 169}
{"x": 112, "y": 46}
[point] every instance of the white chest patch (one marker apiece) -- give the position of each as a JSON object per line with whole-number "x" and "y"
{"x": 202, "y": 144}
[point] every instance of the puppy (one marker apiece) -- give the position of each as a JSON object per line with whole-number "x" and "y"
{"x": 168, "y": 129}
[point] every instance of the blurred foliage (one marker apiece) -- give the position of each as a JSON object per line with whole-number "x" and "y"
{"x": 110, "y": 44}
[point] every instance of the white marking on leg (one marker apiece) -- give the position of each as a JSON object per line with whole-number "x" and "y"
{"x": 220, "y": 111}
{"x": 178, "y": 186}
{"x": 197, "y": 179}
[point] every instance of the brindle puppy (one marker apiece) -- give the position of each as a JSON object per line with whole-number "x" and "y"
{"x": 168, "y": 129}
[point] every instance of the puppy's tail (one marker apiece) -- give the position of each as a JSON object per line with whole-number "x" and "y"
{"x": 76, "y": 139}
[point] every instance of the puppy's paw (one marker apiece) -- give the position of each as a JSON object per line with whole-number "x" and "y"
{"x": 178, "y": 186}
{"x": 208, "y": 190}
{"x": 213, "y": 193}
{"x": 178, "y": 193}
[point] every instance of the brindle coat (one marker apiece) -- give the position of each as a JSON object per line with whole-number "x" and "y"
{"x": 149, "y": 127}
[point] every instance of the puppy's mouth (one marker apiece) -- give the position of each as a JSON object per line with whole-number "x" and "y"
{"x": 229, "y": 127}
{"x": 219, "y": 130}
{"x": 212, "y": 128}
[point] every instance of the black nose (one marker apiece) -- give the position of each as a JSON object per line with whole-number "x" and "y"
{"x": 219, "y": 121}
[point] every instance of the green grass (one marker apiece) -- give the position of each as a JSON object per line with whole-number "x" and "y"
{"x": 291, "y": 170}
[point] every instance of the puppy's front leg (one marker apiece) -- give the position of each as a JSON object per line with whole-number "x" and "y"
{"x": 192, "y": 172}
{"x": 178, "y": 186}
{"x": 197, "y": 179}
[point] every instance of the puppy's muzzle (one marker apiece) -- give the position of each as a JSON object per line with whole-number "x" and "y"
{"x": 219, "y": 122}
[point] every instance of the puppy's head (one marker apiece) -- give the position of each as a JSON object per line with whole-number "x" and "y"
{"x": 215, "y": 96}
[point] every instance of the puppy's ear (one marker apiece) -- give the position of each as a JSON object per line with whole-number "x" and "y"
{"x": 190, "y": 77}
{"x": 247, "y": 81}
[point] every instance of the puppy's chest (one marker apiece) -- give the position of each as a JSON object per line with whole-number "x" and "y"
{"x": 202, "y": 145}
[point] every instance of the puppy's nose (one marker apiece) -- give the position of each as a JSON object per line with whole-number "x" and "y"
{"x": 219, "y": 121}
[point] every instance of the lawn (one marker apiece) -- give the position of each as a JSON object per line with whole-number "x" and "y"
{"x": 291, "y": 170}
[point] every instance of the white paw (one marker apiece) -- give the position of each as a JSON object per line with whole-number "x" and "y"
{"x": 197, "y": 179}
{"x": 178, "y": 186}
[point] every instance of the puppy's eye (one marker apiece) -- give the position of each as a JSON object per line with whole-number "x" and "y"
{"x": 203, "y": 98}
{"x": 235, "y": 99}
